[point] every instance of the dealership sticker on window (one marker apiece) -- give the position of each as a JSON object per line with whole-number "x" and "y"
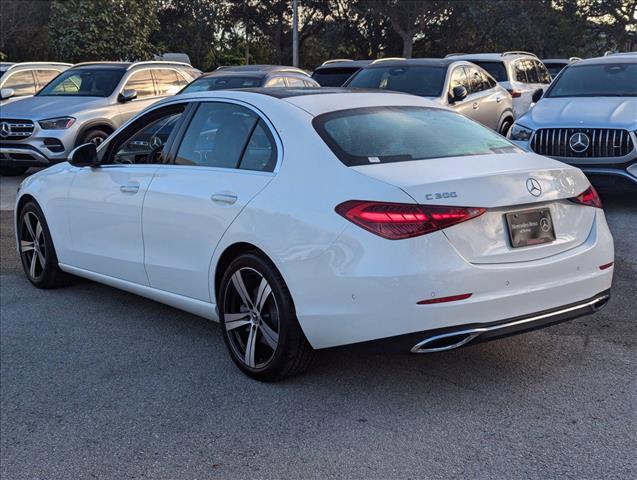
{"x": 373, "y": 159}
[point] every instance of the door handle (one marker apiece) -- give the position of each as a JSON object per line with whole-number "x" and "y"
{"x": 475, "y": 106}
{"x": 132, "y": 188}
{"x": 498, "y": 99}
{"x": 224, "y": 198}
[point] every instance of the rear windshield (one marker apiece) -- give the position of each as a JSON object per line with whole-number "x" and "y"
{"x": 495, "y": 69}
{"x": 206, "y": 84}
{"x": 364, "y": 136}
{"x": 554, "y": 68}
{"x": 423, "y": 81}
{"x": 333, "y": 77}
{"x": 602, "y": 80}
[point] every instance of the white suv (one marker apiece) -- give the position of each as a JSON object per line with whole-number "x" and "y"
{"x": 521, "y": 73}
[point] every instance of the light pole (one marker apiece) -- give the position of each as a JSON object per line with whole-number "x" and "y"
{"x": 295, "y": 33}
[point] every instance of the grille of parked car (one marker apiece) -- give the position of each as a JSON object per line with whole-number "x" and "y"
{"x": 15, "y": 129}
{"x": 582, "y": 142}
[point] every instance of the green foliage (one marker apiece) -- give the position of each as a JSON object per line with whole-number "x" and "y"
{"x": 106, "y": 29}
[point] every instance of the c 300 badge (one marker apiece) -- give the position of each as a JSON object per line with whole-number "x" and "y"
{"x": 440, "y": 195}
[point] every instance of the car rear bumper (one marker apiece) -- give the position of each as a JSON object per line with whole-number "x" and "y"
{"x": 373, "y": 293}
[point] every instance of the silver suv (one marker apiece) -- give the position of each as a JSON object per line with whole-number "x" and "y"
{"x": 19, "y": 80}
{"x": 588, "y": 118}
{"x": 85, "y": 103}
{"x": 460, "y": 85}
{"x": 521, "y": 73}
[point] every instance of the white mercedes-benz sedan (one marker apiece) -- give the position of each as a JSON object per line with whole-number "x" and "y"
{"x": 313, "y": 218}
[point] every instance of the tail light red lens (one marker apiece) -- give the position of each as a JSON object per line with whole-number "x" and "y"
{"x": 588, "y": 197}
{"x": 395, "y": 221}
{"x": 515, "y": 93}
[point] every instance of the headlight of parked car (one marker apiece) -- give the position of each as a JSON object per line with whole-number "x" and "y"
{"x": 520, "y": 133}
{"x": 59, "y": 123}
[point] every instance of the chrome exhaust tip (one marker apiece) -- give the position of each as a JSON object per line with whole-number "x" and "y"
{"x": 446, "y": 341}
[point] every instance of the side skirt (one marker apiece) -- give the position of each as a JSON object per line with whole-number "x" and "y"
{"x": 187, "y": 304}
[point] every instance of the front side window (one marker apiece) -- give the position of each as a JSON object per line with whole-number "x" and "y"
{"x": 459, "y": 79}
{"x": 601, "y": 80}
{"x": 145, "y": 145}
{"x": 84, "y": 82}
{"x": 142, "y": 83}
{"x": 226, "y": 135}
{"x": 418, "y": 80}
{"x": 276, "y": 82}
{"x": 169, "y": 82}
{"x": 372, "y": 135}
{"x": 22, "y": 83}
{"x": 45, "y": 76}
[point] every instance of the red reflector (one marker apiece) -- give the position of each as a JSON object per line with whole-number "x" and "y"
{"x": 606, "y": 265}
{"x": 515, "y": 93}
{"x": 452, "y": 298}
{"x": 403, "y": 220}
{"x": 588, "y": 197}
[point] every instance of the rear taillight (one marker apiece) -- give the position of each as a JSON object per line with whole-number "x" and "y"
{"x": 515, "y": 93}
{"x": 588, "y": 197}
{"x": 402, "y": 220}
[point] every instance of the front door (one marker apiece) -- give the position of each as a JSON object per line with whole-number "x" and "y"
{"x": 106, "y": 228}
{"x": 226, "y": 157}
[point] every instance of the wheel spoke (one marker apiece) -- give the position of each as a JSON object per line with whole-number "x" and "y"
{"x": 237, "y": 281}
{"x": 41, "y": 259}
{"x": 26, "y": 246}
{"x": 235, "y": 320}
{"x": 269, "y": 335}
{"x": 251, "y": 345}
{"x": 34, "y": 261}
{"x": 38, "y": 231}
{"x": 262, "y": 294}
{"x": 27, "y": 222}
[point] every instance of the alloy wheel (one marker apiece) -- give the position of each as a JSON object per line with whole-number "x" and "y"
{"x": 251, "y": 318}
{"x": 33, "y": 245}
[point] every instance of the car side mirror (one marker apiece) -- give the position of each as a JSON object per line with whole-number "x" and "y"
{"x": 459, "y": 93}
{"x": 127, "y": 95}
{"x": 537, "y": 95}
{"x": 6, "y": 93}
{"x": 84, "y": 156}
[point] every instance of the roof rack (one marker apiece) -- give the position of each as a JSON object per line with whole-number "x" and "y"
{"x": 519, "y": 52}
{"x": 388, "y": 59}
{"x": 336, "y": 60}
{"x": 454, "y": 54}
{"x": 574, "y": 59}
{"x": 619, "y": 53}
{"x": 158, "y": 62}
{"x": 19, "y": 64}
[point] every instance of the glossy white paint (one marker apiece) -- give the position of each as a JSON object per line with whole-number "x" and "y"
{"x": 348, "y": 285}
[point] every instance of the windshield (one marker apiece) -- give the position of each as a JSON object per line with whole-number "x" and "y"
{"x": 417, "y": 80}
{"x": 602, "y": 80}
{"x": 85, "y": 82}
{"x": 364, "y": 136}
{"x": 333, "y": 77}
{"x": 206, "y": 84}
{"x": 495, "y": 69}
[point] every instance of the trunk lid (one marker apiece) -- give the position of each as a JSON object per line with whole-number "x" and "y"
{"x": 499, "y": 183}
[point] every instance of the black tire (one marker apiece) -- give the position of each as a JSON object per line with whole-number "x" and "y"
{"x": 273, "y": 313}
{"x": 43, "y": 274}
{"x": 94, "y": 135}
{"x": 506, "y": 126}
{"x": 13, "y": 171}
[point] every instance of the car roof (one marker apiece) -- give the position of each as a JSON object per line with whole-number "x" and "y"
{"x": 491, "y": 56}
{"x": 315, "y": 100}
{"x": 415, "y": 62}
{"x": 608, "y": 59}
{"x": 343, "y": 64}
{"x": 130, "y": 65}
{"x": 258, "y": 68}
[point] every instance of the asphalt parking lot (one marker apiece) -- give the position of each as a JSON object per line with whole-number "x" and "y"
{"x": 98, "y": 383}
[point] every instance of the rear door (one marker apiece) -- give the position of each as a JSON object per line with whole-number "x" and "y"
{"x": 226, "y": 155}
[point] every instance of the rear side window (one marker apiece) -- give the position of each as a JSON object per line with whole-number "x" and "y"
{"x": 496, "y": 69}
{"x": 532, "y": 72}
{"x": 276, "y": 82}
{"x": 519, "y": 69}
{"x": 225, "y": 135}
{"x": 22, "y": 83}
{"x": 142, "y": 82}
{"x": 169, "y": 82}
{"x": 294, "y": 82}
{"x": 366, "y": 136}
{"x": 542, "y": 72}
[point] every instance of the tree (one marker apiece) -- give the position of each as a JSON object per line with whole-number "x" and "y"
{"x": 107, "y": 29}
{"x": 24, "y": 33}
{"x": 409, "y": 18}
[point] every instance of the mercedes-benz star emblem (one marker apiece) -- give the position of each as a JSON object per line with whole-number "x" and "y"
{"x": 579, "y": 142}
{"x": 534, "y": 187}
{"x": 155, "y": 142}
{"x": 544, "y": 224}
{"x": 5, "y": 129}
